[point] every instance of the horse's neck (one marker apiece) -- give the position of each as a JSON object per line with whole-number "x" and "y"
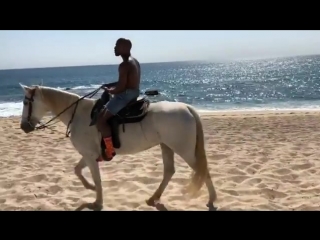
{"x": 57, "y": 101}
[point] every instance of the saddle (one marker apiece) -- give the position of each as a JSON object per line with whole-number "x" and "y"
{"x": 134, "y": 112}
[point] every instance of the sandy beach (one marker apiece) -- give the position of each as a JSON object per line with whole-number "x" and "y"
{"x": 258, "y": 161}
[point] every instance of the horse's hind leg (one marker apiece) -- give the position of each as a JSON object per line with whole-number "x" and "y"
{"x": 191, "y": 160}
{"x": 78, "y": 172}
{"x": 168, "y": 172}
{"x": 212, "y": 192}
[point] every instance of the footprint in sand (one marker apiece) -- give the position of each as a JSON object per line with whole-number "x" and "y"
{"x": 238, "y": 179}
{"x": 283, "y": 171}
{"x": 111, "y": 183}
{"x": 19, "y": 175}
{"x": 36, "y": 178}
{"x": 302, "y": 166}
{"x": 235, "y": 171}
{"x": 24, "y": 198}
{"x": 6, "y": 185}
{"x": 271, "y": 194}
{"x": 54, "y": 189}
{"x": 252, "y": 181}
{"x": 218, "y": 156}
{"x": 145, "y": 180}
{"x": 230, "y": 192}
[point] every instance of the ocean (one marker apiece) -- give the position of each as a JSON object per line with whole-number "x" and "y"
{"x": 270, "y": 84}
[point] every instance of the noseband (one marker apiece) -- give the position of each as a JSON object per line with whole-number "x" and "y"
{"x": 29, "y": 101}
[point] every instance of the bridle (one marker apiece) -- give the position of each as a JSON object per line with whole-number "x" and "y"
{"x": 30, "y": 100}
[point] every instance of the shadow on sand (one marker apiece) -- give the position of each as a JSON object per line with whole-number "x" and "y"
{"x": 158, "y": 206}
{"x": 89, "y": 206}
{"x": 162, "y": 207}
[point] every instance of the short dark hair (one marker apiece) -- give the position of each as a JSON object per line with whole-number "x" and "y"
{"x": 125, "y": 41}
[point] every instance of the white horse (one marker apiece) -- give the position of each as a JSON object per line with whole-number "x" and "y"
{"x": 175, "y": 126}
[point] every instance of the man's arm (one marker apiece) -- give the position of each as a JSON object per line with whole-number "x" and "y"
{"x": 123, "y": 78}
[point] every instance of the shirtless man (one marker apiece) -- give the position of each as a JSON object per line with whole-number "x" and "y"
{"x": 125, "y": 91}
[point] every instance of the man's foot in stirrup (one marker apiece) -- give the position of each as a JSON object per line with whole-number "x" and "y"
{"x": 109, "y": 157}
{"x": 110, "y": 153}
{"x": 104, "y": 157}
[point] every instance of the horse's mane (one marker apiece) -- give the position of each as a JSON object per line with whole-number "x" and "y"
{"x": 51, "y": 90}
{"x": 61, "y": 97}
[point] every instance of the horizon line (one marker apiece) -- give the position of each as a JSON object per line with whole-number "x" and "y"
{"x": 93, "y": 65}
{"x": 204, "y": 60}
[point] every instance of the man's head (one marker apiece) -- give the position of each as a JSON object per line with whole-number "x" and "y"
{"x": 122, "y": 47}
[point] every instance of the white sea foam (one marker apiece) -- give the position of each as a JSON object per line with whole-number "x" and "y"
{"x": 8, "y": 109}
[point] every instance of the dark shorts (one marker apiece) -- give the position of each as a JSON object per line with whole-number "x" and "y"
{"x": 121, "y": 100}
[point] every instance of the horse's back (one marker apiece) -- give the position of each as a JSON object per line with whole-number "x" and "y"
{"x": 172, "y": 118}
{"x": 167, "y": 107}
{"x": 170, "y": 111}
{"x": 162, "y": 120}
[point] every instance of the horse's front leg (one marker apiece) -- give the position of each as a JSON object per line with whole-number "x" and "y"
{"x": 97, "y": 205}
{"x": 78, "y": 172}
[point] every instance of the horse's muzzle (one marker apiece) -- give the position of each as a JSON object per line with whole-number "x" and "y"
{"x": 27, "y": 127}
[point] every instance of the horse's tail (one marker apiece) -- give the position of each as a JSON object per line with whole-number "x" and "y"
{"x": 200, "y": 168}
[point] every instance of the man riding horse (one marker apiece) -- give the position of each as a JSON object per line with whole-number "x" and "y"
{"x": 174, "y": 126}
{"x": 126, "y": 90}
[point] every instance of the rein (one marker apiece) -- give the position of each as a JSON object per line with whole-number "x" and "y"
{"x": 46, "y": 125}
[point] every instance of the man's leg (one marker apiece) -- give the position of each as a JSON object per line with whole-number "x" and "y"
{"x": 104, "y": 129}
{"x": 115, "y": 104}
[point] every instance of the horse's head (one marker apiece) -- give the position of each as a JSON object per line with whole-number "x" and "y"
{"x": 33, "y": 108}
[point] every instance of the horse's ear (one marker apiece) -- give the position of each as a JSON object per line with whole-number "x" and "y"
{"x": 25, "y": 88}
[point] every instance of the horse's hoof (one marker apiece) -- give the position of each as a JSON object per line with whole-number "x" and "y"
{"x": 211, "y": 206}
{"x": 152, "y": 202}
{"x": 92, "y": 206}
{"x": 95, "y": 206}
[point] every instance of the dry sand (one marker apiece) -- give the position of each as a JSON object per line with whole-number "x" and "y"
{"x": 258, "y": 161}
